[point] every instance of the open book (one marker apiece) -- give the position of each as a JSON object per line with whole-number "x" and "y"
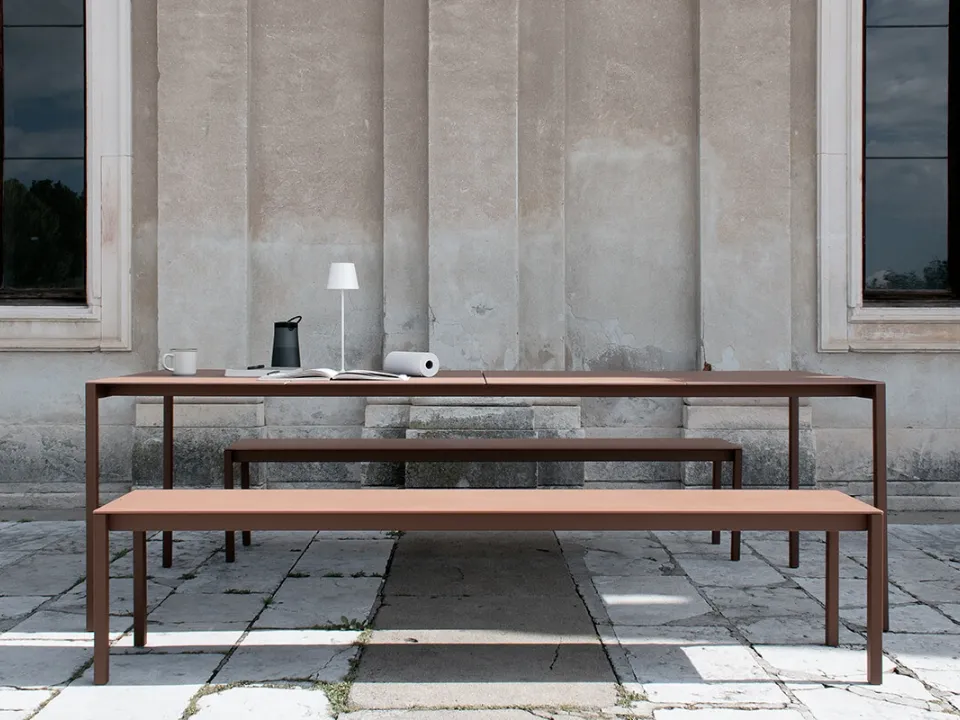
{"x": 328, "y": 374}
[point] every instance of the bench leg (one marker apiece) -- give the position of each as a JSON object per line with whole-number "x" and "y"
{"x": 737, "y": 485}
{"x": 832, "y": 583}
{"x": 245, "y": 485}
{"x": 101, "y": 601}
{"x": 228, "y": 536}
{"x": 875, "y": 599}
{"x": 139, "y": 589}
{"x": 793, "y": 452}
{"x": 167, "y": 472}
{"x": 717, "y": 485}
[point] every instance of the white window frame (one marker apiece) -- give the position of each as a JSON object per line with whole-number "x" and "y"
{"x": 845, "y": 323}
{"x": 103, "y": 323}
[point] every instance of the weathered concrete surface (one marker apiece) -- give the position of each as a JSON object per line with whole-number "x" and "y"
{"x": 488, "y": 629}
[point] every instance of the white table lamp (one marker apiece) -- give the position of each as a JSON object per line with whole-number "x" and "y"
{"x": 343, "y": 276}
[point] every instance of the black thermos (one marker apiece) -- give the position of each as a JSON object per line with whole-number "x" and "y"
{"x": 286, "y": 343}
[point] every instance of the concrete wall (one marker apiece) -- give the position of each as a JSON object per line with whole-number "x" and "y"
{"x": 589, "y": 184}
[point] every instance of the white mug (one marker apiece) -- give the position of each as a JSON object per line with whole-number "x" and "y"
{"x": 184, "y": 361}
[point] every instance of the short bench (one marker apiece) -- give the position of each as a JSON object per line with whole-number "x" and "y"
{"x": 483, "y": 450}
{"x": 830, "y": 511}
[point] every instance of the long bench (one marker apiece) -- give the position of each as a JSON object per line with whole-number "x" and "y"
{"x": 142, "y": 511}
{"x": 298, "y": 450}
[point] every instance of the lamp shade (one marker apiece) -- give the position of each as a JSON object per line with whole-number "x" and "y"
{"x": 343, "y": 276}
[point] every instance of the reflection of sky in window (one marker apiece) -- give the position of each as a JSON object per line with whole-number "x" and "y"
{"x": 907, "y": 12}
{"x": 43, "y": 92}
{"x": 43, "y": 12}
{"x": 905, "y": 143}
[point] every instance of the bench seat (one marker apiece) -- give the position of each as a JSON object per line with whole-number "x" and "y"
{"x": 829, "y": 511}
{"x": 711, "y": 450}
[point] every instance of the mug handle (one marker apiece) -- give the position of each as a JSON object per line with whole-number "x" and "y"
{"x": 163, "y": 361}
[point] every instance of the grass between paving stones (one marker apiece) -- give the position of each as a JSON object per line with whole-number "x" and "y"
{"x": 626, "y": 698}
{"x": 344, "y": 624}
{"x": 237, "y": 591}
{"x": 298, "y": 575}
{"x": 338, "y": 693}
{"x": 332, "y": 575}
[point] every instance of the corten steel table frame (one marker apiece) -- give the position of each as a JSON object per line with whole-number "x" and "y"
{"x": 829, "y": 511}
{"x": 789, "y": 384}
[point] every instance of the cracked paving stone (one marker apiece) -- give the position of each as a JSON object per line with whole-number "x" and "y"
{"x": 174, "y": 639}
{"x": 853, "y": 591}
{"x": 935, "y": 659}
{"x": 345, "y": 556}
{"x": 145, "y": 687}
{"x": 650, "y": 600}
{"x": 41, "y": 574}
{"x": 256, "y": 703}
{"x": 749, "y": 572}
{"x": 16, "y": 703}
{"x": 896, "y": 690}
{"x": 640, "y": 562}
{"x": 762, "y": 602}
{"x": 798, "y": 630}
{"x": 682, "y": 666}
{"x": 933, "y": 592}
{"x": 316, "y": 602}
{"x": 207, "y": 613}
{"x": 26, "y": 662}
{"x": 842, "y": 704}
{"x": 15, "y": 606}
{"x": 272, "y": 655}
{"x": 447, "y": 714}
{"x": 818, "y": 663}
{"x": 908, "y": 619}
{"x": 951, "y": 610}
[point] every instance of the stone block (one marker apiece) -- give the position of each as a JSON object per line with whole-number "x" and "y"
{"x": 556, "y": 417}
{"x": 197, "y": 455}
{"x": 332, "y": 473}
{"x": 382, "y": 474}
{"x": 765, "y": 458}
{"x": 45, "y": 457}
{"x": 488, "y": 474}
{"x": 202, "y": 413}
{"x": 471, "y": 418}
{"x": 386, "y": 414}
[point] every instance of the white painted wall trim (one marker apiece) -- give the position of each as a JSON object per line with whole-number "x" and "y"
{"x": 104, "y": 323}
{"x": 844, "y": 323}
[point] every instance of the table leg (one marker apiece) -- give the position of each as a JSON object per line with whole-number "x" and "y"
{"x": 229, "y": 537}
{"x": 139, "y": 588}
{"x": 737, "y": 484}
{"x": 167, "y": 472}
{"x": 93, "y": 486}
{"x": 245, "y": 485}
{"x": 793, "y": 430}
{"x": 717, "y": 485}
{"x": 880, "y": 482}
{"x": 101, "y": 601}
{"x": 832, "y": 584}
{"x": 876, "y": 592}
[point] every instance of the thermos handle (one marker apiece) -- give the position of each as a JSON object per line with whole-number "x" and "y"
{"x": 296, "y": 318}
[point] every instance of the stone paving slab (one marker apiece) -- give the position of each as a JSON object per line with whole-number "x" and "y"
{"x": 145, "y": 687}
{"x": 706, "y": 638}
{"x": 276, "y": 655}
{"x": 257, "y": 703}
{"x": 320, "y": 602}
{"x": 473, "y": 639}
{"x": 650, "y": 600}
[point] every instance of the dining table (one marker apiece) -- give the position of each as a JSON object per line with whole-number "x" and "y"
{"x": 791, "y": 385}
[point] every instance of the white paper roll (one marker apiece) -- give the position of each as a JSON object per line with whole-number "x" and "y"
{"x": 415, "y": 364}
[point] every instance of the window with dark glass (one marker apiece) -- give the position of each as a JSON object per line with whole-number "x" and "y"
{"x": 43, "y": 136}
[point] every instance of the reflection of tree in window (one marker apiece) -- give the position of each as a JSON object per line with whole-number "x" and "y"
{"x": 41, "y": 225}
{"x": 42, "y": 133}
